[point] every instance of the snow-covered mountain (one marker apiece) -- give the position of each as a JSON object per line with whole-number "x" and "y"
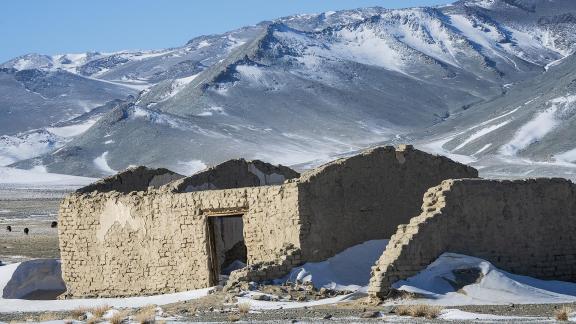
{"x": 307, "y": 87}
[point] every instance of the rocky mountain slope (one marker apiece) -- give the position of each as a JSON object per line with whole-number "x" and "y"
{"x": 306, "y": 87}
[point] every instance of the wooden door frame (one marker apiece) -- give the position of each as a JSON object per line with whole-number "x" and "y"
{"x": 213, "y": 264}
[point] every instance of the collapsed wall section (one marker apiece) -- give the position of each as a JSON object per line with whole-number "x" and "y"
{"x": 366, "y": 197}
{"x": 525, "y": 227}
{"x": 155, "y": 242}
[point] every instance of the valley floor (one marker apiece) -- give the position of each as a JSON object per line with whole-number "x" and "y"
{"x": 34, "y": 209}
{"x": 213, "y": 309}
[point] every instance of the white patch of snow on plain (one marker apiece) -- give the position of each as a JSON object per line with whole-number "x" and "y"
{"x": 26, "y": 277}
{"x": 494, "y": 287}
{"x": 102, "y": 164}
{"x": 40, "y": 177}
{"x": 267, "y": 305}
{"x": 348, "y": 270}
{"x": 459, "y": 315}
{"x": 72, "y": 130}
{"x": 20, "y": 305}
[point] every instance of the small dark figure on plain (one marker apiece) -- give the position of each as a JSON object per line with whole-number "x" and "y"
{"x": 9, "y": 228}
{"x": 54, "y": 225}
{"x": 26, "y": 231}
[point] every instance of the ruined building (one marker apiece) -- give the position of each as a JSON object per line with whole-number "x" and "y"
{"x": 153, "y": 231}
{"x": 525, "y": 227}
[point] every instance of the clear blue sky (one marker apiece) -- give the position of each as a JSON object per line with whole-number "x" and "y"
{"x": 71, "y": 26}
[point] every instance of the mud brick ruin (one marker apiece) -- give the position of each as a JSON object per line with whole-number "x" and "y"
{"x": 147, "y": 231}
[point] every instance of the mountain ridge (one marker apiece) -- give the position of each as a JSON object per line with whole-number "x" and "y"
{"x": 306, "y": 87}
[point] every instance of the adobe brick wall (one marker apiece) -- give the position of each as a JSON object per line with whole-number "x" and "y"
{"x": 366, "y": 197}
{"x": 525, "y": 227}
{"x": 153, "y": 241}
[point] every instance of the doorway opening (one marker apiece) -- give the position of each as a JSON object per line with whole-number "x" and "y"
{"x": 226, "y": 247}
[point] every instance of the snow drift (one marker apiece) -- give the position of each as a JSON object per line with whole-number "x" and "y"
{"x": 349, "y": 270}
{"x": 21, "y": 279}
{"x": 455, "y": 279}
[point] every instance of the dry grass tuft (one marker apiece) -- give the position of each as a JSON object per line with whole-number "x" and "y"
{"x": 427, "y": 311}
{"x": 563, "y": 313}
{"x": 93, "y": 320}
{"x": 118, "y": 317}
{"x": 99, "y": 311}
{"x": 244, "y": 308}
{"x": 45, "y": 317}
{"x": 233, "y": 317}
{"x": 79, "y": 311}
{"x": 146, "y": 315}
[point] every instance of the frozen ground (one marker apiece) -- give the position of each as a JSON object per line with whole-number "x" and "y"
{"x": 39, "y": 178}
{"x": 348, "y": 270}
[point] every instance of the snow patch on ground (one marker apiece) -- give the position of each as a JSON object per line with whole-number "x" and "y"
{"x": 39, "y": 177}
{"x": 494, "y": 286}
{"x": 21, "y": 279}
{"x": 348, "y": 270}
{"x": 102, "y": 164}
{"x": 33, "y": 279}
{"x": 456, "y": 314}
{"x": 267, "y": 305}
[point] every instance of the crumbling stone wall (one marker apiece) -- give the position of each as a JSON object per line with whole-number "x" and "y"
{"x": 133, "y": 179}
{"x": 235, "y": 174}
{"x": 154, "y": 241}
{"x": 366, "y": 197}
{"x": 526, "y": 227}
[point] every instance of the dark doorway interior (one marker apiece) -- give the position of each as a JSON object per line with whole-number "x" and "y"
{"x": 226, "y": 247}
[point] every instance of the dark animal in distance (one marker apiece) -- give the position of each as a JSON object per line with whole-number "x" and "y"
{"x": 26, "y": 231}
{"x": 54, "y": 225}
{"x": 9, "y": 228}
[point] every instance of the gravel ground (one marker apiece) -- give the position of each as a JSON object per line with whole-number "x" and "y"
{"x": 34, "y": 209}
{"x": 200, "y": 311}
